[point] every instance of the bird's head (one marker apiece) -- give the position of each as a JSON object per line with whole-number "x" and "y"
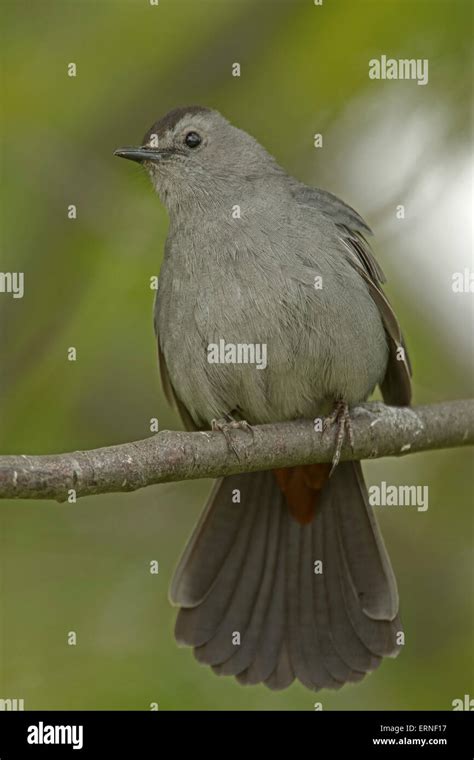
{"x": 194, "y": 153}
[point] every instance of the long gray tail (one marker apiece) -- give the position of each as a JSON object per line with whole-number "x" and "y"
{"x": 266, "y": 599}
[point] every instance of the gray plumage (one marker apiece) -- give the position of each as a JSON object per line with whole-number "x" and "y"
{"x": 245, "y": 246}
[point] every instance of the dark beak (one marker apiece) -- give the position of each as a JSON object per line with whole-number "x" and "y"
{"x": 141, "y": 154}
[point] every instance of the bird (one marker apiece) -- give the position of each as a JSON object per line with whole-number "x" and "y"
{"x": 286, "y": 576}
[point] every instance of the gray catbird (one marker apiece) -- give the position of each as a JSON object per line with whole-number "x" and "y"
{"x": 286, "y": 575}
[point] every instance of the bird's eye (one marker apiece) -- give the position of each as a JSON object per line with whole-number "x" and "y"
{"x": 192, "y": 139}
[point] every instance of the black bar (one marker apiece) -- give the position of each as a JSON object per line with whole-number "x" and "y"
{"x": 217, "y": 734}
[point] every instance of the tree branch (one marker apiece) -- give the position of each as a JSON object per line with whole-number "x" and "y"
{"x": 379, "y": 431}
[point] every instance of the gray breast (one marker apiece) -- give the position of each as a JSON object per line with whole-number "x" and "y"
{"x": 321, "y": 343}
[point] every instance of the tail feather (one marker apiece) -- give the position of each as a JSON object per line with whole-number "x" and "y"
{"x": 326, "y": 669}
{"x": 273, "y": 629}
{"x": 377, "y": 635}
{"x": 306, "y": 637}
{"x": 213, "y": 537}
{"x": 249, "y": 569}
{"x": 298, "y": 655}
{"x": 335, "y": 631}
{"x": 244, "y": 655}
{"x": 363, "y": 544}
{"x": 283, "y": 675}
{"x": 346, "y": 641}
{"x": 196, "y": 625}
{"x": 242, "y": 599}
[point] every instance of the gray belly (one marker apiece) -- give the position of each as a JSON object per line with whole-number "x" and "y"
{"x": 272, "y": 348}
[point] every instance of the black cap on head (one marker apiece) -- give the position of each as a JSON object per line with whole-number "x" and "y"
{"x": 171, "y": 119}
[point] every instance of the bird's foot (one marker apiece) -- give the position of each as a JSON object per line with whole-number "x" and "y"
{"x": 339, "y": 416}
{"x": 227, "y": 423}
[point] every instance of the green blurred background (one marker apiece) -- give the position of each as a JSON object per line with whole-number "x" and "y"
{"x": 85, "y": 567}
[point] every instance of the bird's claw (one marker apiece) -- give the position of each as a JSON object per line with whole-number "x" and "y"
{"x": 226, "y": 424}
{"x": 339, "y": 416}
